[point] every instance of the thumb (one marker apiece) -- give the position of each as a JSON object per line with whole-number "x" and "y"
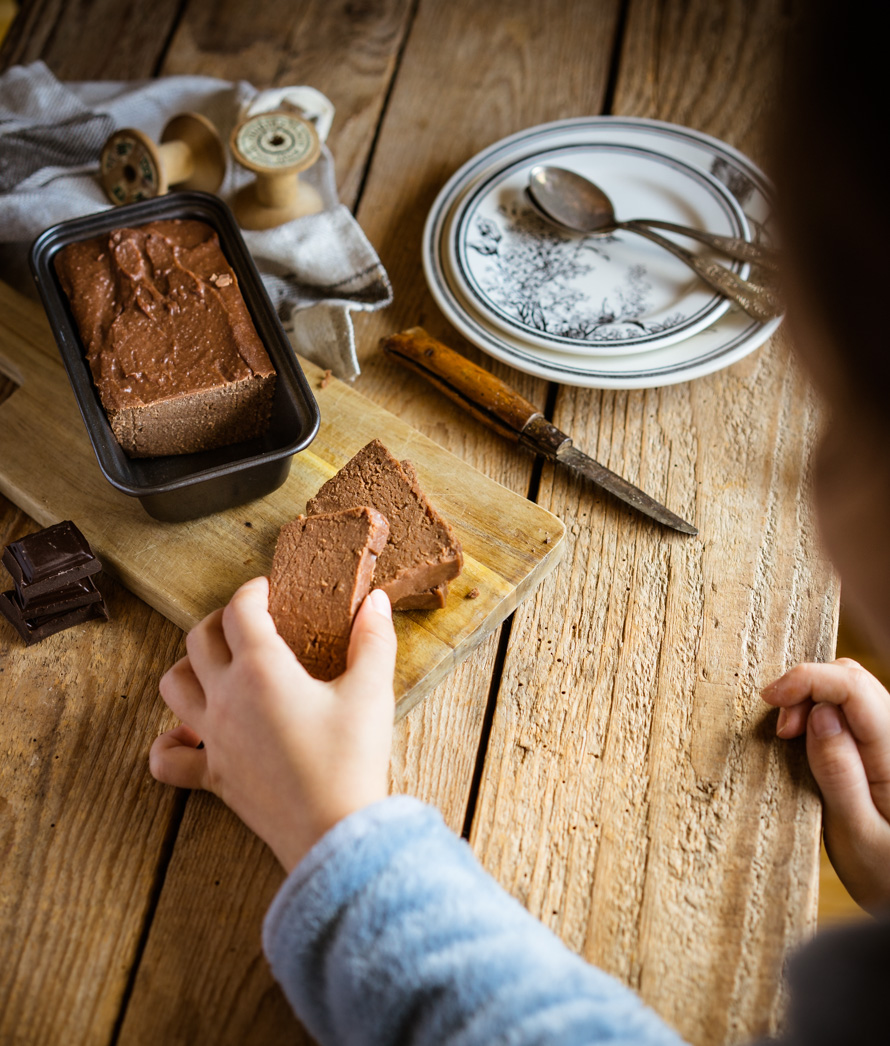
{"x": 837, "y": 766}
{"x": 372, "y": 644}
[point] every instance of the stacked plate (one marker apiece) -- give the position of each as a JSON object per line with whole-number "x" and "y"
{"x": 601, "y": 311}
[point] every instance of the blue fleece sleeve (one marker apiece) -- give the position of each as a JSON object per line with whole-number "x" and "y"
{"x": 389, "y": 931}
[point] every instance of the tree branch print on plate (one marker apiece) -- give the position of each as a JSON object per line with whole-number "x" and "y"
{"x": 538, "y": 275}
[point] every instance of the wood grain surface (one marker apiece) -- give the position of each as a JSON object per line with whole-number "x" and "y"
{"x": 345, "y": 49}
{"x": 669, "y": 813}
{"x": 83, "y": 827}
{"x": 86, "y": 40}
{"x": 432, "y": 123}
{"x": 631, "y": 794}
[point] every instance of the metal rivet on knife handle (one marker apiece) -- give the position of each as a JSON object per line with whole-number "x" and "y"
{"x": 495, "y": 404}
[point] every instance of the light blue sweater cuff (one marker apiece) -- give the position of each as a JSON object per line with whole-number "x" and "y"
{"x": 389, "y": 931}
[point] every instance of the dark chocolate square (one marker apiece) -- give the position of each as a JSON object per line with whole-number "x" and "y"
{"x": 40, "y": 628}
{"x": 78, "y": 594}
{"x": 51, "y": 559}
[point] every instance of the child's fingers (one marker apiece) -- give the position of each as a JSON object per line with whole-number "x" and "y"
{"x": 183, "y": 734}
{"x": 792, "y": 721}
{"x": 183, "y": 693}
{"x": 246, "y": 621}
{"x": 849, "y": 663}
{"x": 176, "y": 760}
{"x": 835, "y": 760}
{"x": 372, "y": 645}
{"x": 206, "y": 645}
{"x": 857, "y": 836}
{"x": 865, "y": 702}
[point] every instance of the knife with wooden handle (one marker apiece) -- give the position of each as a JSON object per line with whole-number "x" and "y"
{"x": 494, "y": 403}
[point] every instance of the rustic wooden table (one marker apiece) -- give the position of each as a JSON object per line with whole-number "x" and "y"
{"x": 606, "y": 752}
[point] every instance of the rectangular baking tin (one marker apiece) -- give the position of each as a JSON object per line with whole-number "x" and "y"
{"x": 181, "y": 487}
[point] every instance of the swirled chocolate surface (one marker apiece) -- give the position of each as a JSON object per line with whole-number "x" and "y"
{"x": 160, "y": 313}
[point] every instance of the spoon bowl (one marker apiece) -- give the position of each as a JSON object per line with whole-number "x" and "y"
{"x": 571, "y": 199}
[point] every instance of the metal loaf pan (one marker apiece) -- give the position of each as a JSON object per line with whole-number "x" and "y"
{"x": 181, "y": 487}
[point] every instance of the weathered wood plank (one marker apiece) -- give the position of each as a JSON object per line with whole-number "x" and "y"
{"x": 727, "y": 86}
{"x": 633, "y": 795}
{"x": 528, "y": 62}
{"x": 346, "y": 50}
{"x": 470, "y": 75}
{"x": 90, "y": 39}
{"x": 82, "y": 824}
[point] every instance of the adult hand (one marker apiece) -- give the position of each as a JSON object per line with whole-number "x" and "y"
{"x": 845, "y": 712}
{"x": 289, "y": 754}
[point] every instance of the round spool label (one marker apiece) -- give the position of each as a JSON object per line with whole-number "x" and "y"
{"x": 128, "y": 169}
{"x": 276, "y": 141}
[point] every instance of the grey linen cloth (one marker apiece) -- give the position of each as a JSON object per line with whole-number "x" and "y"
{"x": 317, "y": 269}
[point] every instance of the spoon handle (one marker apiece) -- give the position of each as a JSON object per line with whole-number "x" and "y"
{"x": 731, "y": 246}
{"x": 755, "y": 299}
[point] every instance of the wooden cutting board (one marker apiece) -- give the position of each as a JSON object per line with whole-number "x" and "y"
{"x": 185, "y": 570}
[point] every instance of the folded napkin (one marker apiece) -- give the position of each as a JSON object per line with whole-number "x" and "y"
{"x": 317, "y": 269}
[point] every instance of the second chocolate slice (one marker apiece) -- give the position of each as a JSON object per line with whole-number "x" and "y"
{"x": 422, "y": 554}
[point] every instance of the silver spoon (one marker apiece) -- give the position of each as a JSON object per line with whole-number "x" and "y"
{"x": 576, "y": 203}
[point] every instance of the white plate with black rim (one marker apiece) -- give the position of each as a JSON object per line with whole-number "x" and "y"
{"x": 591, "y": 295}
{"x": 720, "y": 341}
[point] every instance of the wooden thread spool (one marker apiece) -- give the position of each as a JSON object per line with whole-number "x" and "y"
{"x": 276, "y": 146}
{"x": 189, "y": 156}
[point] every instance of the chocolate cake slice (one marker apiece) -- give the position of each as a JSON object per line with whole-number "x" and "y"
{"x": 432, "y": 598}
{"x": 321, "y": 573}
{"x": 422, "y": 553}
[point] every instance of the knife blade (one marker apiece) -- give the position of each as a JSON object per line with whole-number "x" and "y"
{"x": 501, "y": 408}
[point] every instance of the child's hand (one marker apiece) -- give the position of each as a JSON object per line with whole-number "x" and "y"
{"x": 289, "y": 754}
{"x": 846, "y": 715}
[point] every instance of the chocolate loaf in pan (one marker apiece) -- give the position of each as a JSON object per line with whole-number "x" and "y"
{"x": 321, "y": 573}
{"x": 170, "y": 342}
{"x": 422, "y": 554}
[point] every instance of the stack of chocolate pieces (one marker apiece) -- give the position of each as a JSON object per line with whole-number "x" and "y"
{"x": 54, "y": 588}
